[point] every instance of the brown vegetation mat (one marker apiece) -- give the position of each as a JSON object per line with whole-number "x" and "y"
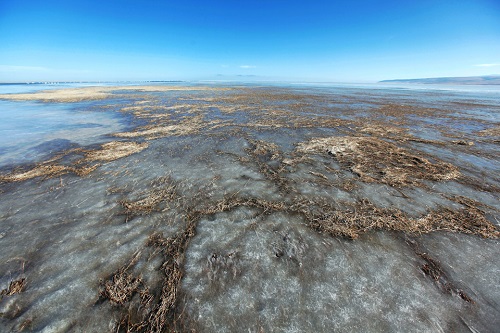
{"x": 15, "y": 287}
{"x": 384, "y": 130}
{"x": 375, "y": 160}
{"x": 114, "y": 150}
{"x": 82, "y": 167}
{"x": 400, "y": 112}
{"x": 121, "y": 286}
{"x": 364, "y": 216}
{"x": 276, "y": 108}
{"x": 162, "y": 190}
{"x": 399, "y": 168}
{"x": 157, "y": 310}
{"x": 187, "y": 126}
{"x": 155, "y": 109}
{"x": 160, "y": 308}
{"x": 493, "y": 131}
{"x": 351, "y": 220}
{"x": 231, "y": 202}
{"x": 269, "y": 160}
{"x": 49, "y": 170}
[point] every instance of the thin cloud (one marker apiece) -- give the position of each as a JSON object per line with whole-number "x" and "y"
{"x": 8, "y": 68}
{"x": 487, "y": 65}
{"x": 247, "y": 66}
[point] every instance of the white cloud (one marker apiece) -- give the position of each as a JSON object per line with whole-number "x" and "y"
{"x": 247, "y": 66}
{"x": 487, "y": 65}
{"x": 8, "y": 68}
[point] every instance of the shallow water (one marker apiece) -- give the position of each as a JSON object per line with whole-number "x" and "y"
{"x": 256, "y": 266}
{"x": 33, "y": 131}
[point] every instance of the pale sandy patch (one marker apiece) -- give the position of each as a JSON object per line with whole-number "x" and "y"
{"x": 93, "y": 93}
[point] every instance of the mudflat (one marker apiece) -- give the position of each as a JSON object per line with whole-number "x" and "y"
{"x": 260, "y": 208}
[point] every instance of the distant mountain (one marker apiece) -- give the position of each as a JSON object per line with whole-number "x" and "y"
{"x": 488, "y": 79}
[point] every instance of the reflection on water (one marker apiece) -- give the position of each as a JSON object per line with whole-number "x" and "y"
{"x": 33, "y": 131}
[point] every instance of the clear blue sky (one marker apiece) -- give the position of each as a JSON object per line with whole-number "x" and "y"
{"x": 272, "y": 39}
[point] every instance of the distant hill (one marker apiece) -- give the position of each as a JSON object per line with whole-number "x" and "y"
{"x": 488, "y": 79}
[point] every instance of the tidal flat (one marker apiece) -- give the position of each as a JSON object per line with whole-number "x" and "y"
{"x": 248, "y": 208}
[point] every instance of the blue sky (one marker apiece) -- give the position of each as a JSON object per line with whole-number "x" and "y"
{"x": 337, "y": 41}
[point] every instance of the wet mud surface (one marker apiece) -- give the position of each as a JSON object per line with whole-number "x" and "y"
{"x": 259, "y": 209}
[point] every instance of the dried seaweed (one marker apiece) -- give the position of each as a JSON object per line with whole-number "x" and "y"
{"x": 161, "y": 190}
{"x": 81, "y": 167}
{"x": 492, "y": 131}
{"x": 114, "y": 150}
{"x": 156, "y": 312}
{"x": 121, "y": 287}
{"x": 364, "y": 216}
{"x": 375, "y": 160}
{"x": 49, "y": 170}
{"x": 187, "y": 126}
{"x": 15, "y": 287}
{"x": 269, "y": 160}
{"x": 355, "y": 219}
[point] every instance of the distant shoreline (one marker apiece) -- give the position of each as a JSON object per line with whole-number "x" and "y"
{"x": 89, "y": 82}
{"x": 468, "y": 80}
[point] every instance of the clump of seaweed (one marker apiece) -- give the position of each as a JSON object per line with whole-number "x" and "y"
{"x": 43, "y": 170}
{"x": 46, "y": 170}
{"x": 326, "y": 217}
{"x": 81, "y": 167}
{"x": 120, "y": 288}
{"x": 400, "y": 112}
{"x": 162, "y": 190}
{"x": 165, "y": 312}
{"x": 158, "y": 311}
{"x": 364, "y": 216}
{"x": 492, "y": 131}
{"x": 375, "y": 160}
{"x": 269, "y": 160}
{"x": 231, "y": 202}
{"x": 265, "y": 150}
{"x": 468, "y": 220}
{"x": 15, "y": 287}
{"x": 384, "y": 130}
{"x": 351, "y": 220}
{"x": 187, "y": 126}
{"x": 114, "y": 150}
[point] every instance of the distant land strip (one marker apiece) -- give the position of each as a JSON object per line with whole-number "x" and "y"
{"x": 467, "y": 80}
